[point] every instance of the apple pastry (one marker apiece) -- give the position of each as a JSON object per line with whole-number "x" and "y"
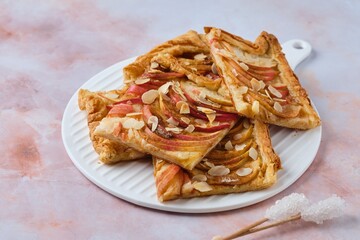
{"x": 260, "y": 80}
{"x": 97, "y": 106}
{"x": 244, "y": 160}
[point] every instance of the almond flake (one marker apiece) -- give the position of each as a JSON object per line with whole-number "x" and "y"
{"x": 262, "y": 84}
{"x": 111, "y": 95}
{"x": 190, "y": 128}
{"x": 218, "y": 171}
{"x": 243, "y": 89}
{"x": 274, "y": 91}
{"x": 194, "y": 69}
{"x": 211, "y": 117}
{"x": 255, "y": 107}
{"x": 243, "y": 171}
{"x": 202, "y": 186}
{"x": 268, "y": 95}
{"x": 133, "y": 114}
{"x": 133, "y": 123}
{"x": 199, "y": 178}
{"x": 229, "y": 146}
{"x": 278, "y": 107}
{"x": 255, "y": 85}
{"x": 187, "y": 187}
{"x": 206, "y": 110}
{"x": 174, "y": 129}
{"x": 165, "y": 88}
{"x": 183, "y": 106}
{"x": 237, "y": 136}
{"x": 141, "y": 81}
{"x": 200, "y": 121}
{"x": 244, "y": 66}
{"x": 149, "y": 96}
{"x": 215, "y": 123}
{"x": 246, "y": 124}
{"x": 186, "y": 63}
{"x": 239, "y": 147}
{"x": 172, "y": 121}
{"x": 234, "y": 72}
{"x": 153, "y": 121}
{"x": 185, "y": 120}
{"x": 200, "y": 56}
{"x": 128, "y": 81}
{"x": 209, "y": 164}
{"x": 214, "y": 69}
{"x": 154, "y": 65}
{"x": 253, "y": 153}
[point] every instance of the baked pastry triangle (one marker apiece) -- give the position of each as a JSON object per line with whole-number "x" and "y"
{"x": 260, "y": 80}
{"x": 243, "y": 161}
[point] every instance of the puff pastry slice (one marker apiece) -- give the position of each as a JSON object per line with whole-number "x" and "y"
{"x": 243, "y": 161}
{"x": 96, "y": 104}
{"x": 260, "y": 80}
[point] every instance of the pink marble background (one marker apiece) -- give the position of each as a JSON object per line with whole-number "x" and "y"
{"x": 48, "y": 49}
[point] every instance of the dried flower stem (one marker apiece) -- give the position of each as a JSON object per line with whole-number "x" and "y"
{"x": 245, "y": 229}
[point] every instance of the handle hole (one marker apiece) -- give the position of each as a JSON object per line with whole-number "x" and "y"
{"x": 298, "y": 45}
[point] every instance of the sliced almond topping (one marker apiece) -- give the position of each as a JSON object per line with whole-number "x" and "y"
{"x": 165, "y": 88}
{"x": 278, "y": 107}
{"x": 183, "y": 107}
{"x": 274, "y": 91}
{"x": 200, "y": 56}
{"x": 243, "y": 171}
{"x": 154, "y": 65}
{"x": 133, "y": 123}
{"x": 186, "y": 63}
{"x": 174, "y": 129}
{"x": 255, "y": 107}
{"x": 200, "y": 121}
{"x": 172, "y": 121}
{"x": 214, "y": 69}
{"x": 246, "y": 124}
{"x": 185, "y": 120}
{"x": 244, "y": 66}
{"x": 199, "y": 178}
{"x": 237, "y": 136}
{"x": 111, "y": 95}
{"x": 209, "y": 164}
{"x": 205, "y": 110}
{"x": 253, "y": 153}
{"x": 128, "y": 81}
{"x": 234, "y": 72}
{"x": 153, "y": 121}
{"x": 239, "y": 147}
{"x": 133, "y": 114}
{"x": 202, "y": 186}
{"x": 215, "y": 123}
{"x": 187, "y": 187}
{"x": 141, "y": 81}
{"x": 149, "y": 96}
{"x": 262, "y": 84}
{"x": 255, "y": 84}
{"x": 267, "y": 94}
{"x": 229, "y": 146}
{"x": 219, "y": 171}
{"x": 243, "y": 89}
{"x": 190, "y": 128}
{"x": 211, "y": 117}
{"x": 194, "y": 69}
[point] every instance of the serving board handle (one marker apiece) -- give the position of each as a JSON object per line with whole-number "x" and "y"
{"x": 296, "y": 51}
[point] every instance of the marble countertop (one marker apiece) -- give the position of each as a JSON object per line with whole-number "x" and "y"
{"x": 50, "y": 48}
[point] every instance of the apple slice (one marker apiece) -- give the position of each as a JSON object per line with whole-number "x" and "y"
{"x": 163, "y": 75}
{"x": 120, "y": 110}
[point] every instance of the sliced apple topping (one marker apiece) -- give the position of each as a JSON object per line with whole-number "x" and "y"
{"x": 153, "y": 121}
{"x": 274, "y": 91}
{"x": 142, "y": 81}
{"x": 255, "y": 107}
{"x": 132, "y": 123}
{"x": 202, "y": 186}
{"x": 218, "y": 171}
{"x": 190, "y": 128}
{"x": 278, "y": 107}
{"x": 199, "y": 178}
{"x": 239, "y": 147}
{"x": 253, "y": 153}
{"x": 241, "y": 172}
{"x": 149, "y": 96}
{"x": 229, "y": 146}
{"x": 244, "y": 66}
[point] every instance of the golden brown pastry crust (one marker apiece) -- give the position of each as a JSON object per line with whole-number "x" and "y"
{"x": 293, "y": 108}
{"x": 173, "y": 182}
{"x": 95, "y": 104}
